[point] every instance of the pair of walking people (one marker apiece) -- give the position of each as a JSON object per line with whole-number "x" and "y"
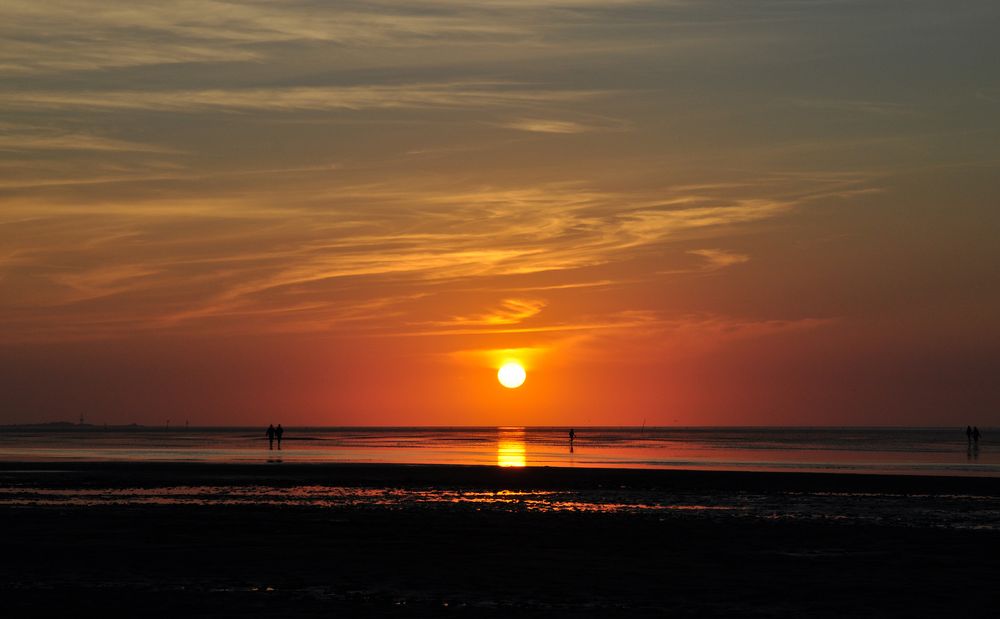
{"x": 274, "y": 433}
{"x": 972, "y": 434}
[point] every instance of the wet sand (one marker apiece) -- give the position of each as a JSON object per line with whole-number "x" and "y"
{"x": 471, "y": 559}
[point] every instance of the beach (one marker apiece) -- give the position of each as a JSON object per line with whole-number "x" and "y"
{"x": 512, "y": 308}
{"x": 204, "y": 539}
{"x": 871, "y": 450}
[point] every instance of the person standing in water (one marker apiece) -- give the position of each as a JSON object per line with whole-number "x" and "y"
{"x": 270, "y": 436}
{"x": 277, "y": 434}
{"x": 975, "y": 435}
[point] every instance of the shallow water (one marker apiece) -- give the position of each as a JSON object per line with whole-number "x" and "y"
{"x": 960, "y": 511}
{"x": 928, "y": 451}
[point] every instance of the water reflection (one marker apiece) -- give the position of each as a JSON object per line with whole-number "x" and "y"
{"x": 956, "y": 511}
{"x": 511, "y": 449}
{"x": 909, "y": 451}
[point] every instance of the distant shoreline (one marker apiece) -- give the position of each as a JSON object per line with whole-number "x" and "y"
{"x": 68, "y": 425}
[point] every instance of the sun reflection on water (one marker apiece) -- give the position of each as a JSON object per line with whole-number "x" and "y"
{"x": 511, "y": 450}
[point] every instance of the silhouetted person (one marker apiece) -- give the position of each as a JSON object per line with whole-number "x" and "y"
{"x": 975, "y": 434}
{"x": 572, "y": 435}
{"x": 270, "y": 436}
{"x": 968, "y": 434}
{"x": 277, "y": 434}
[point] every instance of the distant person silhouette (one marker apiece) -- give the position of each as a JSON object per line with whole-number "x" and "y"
{"x": 572, "y": 435}
{"x": 975, "y": 434}
{"x": 277, "y": 433}
{"x": 270, "y": 436}
{"x": 968, "y": 434}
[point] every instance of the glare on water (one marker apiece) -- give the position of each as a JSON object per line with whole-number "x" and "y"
{"x": 927, "y": 451}
{"x": 511, "y": 450}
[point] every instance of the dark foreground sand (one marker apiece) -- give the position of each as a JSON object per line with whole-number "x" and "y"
{"x": 474, "y": 561}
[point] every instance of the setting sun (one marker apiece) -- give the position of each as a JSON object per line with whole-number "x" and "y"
{"x": 511, "y": 375}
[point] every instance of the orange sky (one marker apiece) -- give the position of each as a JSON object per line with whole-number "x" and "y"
{"x": 351, "y": 213}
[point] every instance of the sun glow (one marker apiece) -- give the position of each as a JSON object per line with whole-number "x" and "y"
{"x": 511, "y": 450}
{"x": 511, "y": 375}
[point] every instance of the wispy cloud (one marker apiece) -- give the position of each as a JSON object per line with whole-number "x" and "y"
{"x": 536, "y": 125}
{"x": 650, "y": 224}
{"x": 149, "y": 171}
{"x": 465, "y": 94}
{"x": 95, "y": 35}
{"x": 855, "y": 106}
{"x": 616, "y": 321}
{"x": 208, "y": 259}
{"x": 89, "y": 34}
{"x": 719, "y": 258}
{"x": 184, "y": 194}
{"x": 510, "y": 312}
{"x": 21, "y": 138}
{"x": 639, "y": 332}
{"x": 102, "y": 281}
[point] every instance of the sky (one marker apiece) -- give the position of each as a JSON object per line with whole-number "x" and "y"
{"x": 676, "y": 212}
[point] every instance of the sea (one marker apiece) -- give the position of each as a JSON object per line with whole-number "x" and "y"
{"x": 886, "y": 450}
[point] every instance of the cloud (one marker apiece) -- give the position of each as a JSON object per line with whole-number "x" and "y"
{"x": 102, "y": 281}
{"x": 535, "y": 125}
{"x": 60, "y": 36}
{"x": 647, "y": 225}
{"x": 23, "y": 138}
{"x": 203, "y": 259}
{"x": 464, "y": 94}
{"x": 855, "y": 106}
{"x": 637, "y": 336}
{"x": 719, "y": 258}
{"x": 190, "y": 262}
{"x": 92, "y": 34}
{"x": 615, "y": 321}
{"x": 135, "y": 172}
{"x": 510, "y": 312}
{"x": 643, "y": 332}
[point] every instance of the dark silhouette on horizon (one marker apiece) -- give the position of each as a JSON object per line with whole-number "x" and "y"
{"x": 572, "y": 437}
{"x": 270, "y": 436}
{"x": 277, "y": 434}
{"x": 972, "y": 435}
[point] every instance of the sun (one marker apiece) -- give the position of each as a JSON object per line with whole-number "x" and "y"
{"x": 511, "y": 375}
